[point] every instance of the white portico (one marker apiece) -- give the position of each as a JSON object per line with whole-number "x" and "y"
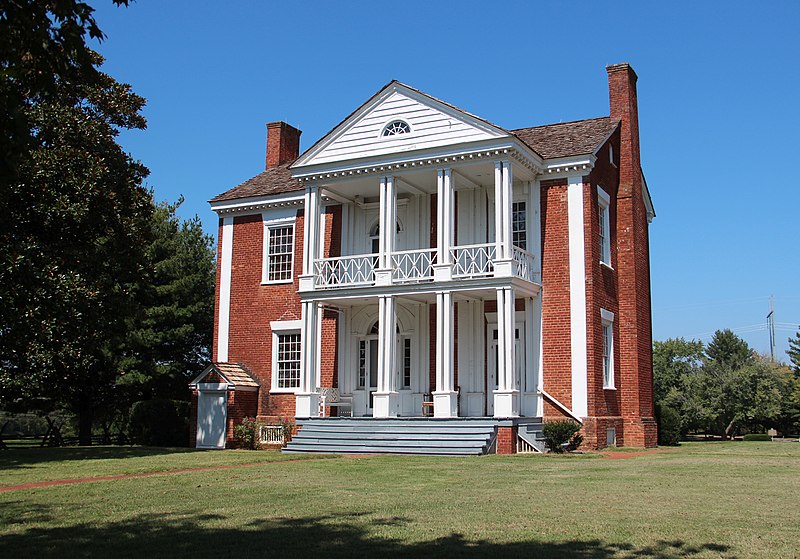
{"x": 439, "y": 231}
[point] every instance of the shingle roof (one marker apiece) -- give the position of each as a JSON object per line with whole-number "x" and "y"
{"x": 235, "y": 373}
{"x": 568, "y": 138}
{"x": 272, "y": 181}
{"x": 550, "y": 141}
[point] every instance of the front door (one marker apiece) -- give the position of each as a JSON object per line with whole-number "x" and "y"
{"x": 368, "y": 370}
{"x": 491, "y": 372}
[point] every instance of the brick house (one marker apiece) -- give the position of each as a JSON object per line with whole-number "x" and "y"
{"x": 422, "y": 261}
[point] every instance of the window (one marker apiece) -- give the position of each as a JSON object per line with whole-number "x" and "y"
{"x": 278, "y": 253}
{"x": 604, "y": 202}
{"x": 395, "y": 128}
{"x": 519, "y": 230}
{"x": 607, "y": 321}
{"x": 362, "y": 363}
{"x": 286, "y": 354}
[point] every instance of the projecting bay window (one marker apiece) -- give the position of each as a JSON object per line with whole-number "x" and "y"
{"x": 285, "y": 355}
{"x": 603, "y": 203}
{"x": 278, "y": 252}
{"x": 607, "y": 324}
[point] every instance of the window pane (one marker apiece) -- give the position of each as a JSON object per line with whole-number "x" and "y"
{"x": 281, "y": 245}
{"x": 288, "y": 360}
{"x": 519, "y": 232}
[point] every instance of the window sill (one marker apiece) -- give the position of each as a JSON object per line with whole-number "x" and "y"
{"x": 609, "y": 388}
{"x": 284, "y": 390}
{"x": 607, "y": 265}
{"x": 281, "y": 282}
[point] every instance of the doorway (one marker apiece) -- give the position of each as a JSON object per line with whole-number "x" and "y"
{"x": 492, "y": 362}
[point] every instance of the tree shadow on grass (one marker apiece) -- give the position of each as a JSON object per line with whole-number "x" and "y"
{"x": 26, "y": 457}
{"x": 198, "y": 535}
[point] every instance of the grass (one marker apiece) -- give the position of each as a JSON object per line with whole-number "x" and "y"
{"x": 701, "y": 500}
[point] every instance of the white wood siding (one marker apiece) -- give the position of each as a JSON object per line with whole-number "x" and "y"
{"x": 430, "y": 127}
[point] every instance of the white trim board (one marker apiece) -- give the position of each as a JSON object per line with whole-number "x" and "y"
{"x": 577, "y": 296}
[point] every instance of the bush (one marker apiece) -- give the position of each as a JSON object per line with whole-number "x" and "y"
{"x": 562, "y": 435}
{"x": 159, "y": 422}
{"x": 246, "y": 433}
{"x": 757, "y": 437}
{"x": 669, "y": 426}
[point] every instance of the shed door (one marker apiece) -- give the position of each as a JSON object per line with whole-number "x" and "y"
{"x": 212, "y": 414}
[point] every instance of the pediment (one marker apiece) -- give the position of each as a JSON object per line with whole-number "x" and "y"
{"x": 432, "y": 124}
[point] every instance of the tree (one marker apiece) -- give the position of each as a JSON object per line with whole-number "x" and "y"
{"x": 729, "y": 350}
{"x": 76, "y": 216}
{"x": 794, "y": 352}
{"x": 172, "y": 338}
{"x": 672, "y": 359}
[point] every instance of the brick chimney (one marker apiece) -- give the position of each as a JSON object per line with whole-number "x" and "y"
{"x": 283, "y": 143}
{"x": 633, "y": 267}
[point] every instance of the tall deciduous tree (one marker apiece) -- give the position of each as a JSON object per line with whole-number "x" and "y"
{"x": 172, "y": 339}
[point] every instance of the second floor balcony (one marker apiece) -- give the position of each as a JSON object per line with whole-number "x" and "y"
{"x": 466, "y": 262}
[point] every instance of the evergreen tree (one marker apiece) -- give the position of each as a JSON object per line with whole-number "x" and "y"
{"x": 726, "y": 349}
{"x": 794, "y": 352}
{"x": 172, "y": 339}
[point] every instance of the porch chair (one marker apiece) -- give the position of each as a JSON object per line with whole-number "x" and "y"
{"x": 330, "y": 397}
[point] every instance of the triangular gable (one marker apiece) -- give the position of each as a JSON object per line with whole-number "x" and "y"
{"x": 235, "y": 375}
{"x": 433, "y": 123}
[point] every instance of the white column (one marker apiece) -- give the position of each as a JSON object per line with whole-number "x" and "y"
{"x": 307, "y": 397}
{"x": 506, "y": 397}
{"x": 224, "y": 311}
{"x": 388, "y": 230}
{"x": 445, "y": 221}
{"x": 445, "y": 398}
{"x": 508, "y": 198}
{"x": 386, "y": 399}
{"x": 577, "y": 296}
{"x": 311, "y": 242}
{"x": 499, "y": 230}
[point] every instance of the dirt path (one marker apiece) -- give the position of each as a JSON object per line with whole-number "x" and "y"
{"x": 57, "y": 482}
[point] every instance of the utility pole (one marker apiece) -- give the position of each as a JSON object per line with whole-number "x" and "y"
{"x": 771, "y": 328}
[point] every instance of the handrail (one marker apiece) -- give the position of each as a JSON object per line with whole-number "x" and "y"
{"x": 559, "y": 405}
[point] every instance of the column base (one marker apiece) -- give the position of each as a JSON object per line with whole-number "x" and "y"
{"x": 506, "y": 403}
{"x": 442, "y": 272}
{"x": 385, "y": 404}
{"x": 445, "y": 404}
{"x": 306, "y": 404}
{"x": 383, "y": 276}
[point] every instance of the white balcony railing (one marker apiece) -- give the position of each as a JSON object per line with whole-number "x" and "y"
{"x": 410, "y": 266}
{"x": 473, "y": 261}
{"x": 523, "y": 264}
{"x": 416, "y": 266}
{"x": 345, "y": 271}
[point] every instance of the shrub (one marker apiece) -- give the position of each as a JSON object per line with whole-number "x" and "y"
{"x": 669, "y": 426}
{"x": 159, "y": 422}
{"x": 246, "y": 433}
{"x": 757, "y": 437}
{"x": 562, "y": 435}
{"x": 288, "y": 429}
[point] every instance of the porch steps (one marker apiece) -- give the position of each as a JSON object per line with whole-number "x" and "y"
{"x": 457, "y": 437}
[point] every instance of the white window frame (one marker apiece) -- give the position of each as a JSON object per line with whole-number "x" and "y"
{"x": 282, "y": 328}
{"x": 268, "y": 226}
{"x": 527, "y": 220}
{"x": 604, "y": 222}
{"x": 607, "y": 359}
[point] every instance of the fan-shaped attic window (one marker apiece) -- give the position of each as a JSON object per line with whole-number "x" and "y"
{"x": 395, "y": 128}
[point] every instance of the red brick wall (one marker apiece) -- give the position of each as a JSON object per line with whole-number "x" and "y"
{"x": 506, "y": 440}
{"x": 241, "y": 404}
{"x": 557, "y": 365}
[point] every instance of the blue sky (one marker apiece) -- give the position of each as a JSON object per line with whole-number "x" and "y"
{"x": 718, "y": 91}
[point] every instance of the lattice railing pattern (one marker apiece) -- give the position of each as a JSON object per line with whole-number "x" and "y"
{"x": 523, "y": 264}
{"x": 413, "y": 265}
{"x": 472, "y": 261}
{"x": 270, "y": 434}
{"x": 345, "y": 271}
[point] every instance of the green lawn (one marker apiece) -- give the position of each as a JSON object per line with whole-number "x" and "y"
{"x": 702, "y": 500}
